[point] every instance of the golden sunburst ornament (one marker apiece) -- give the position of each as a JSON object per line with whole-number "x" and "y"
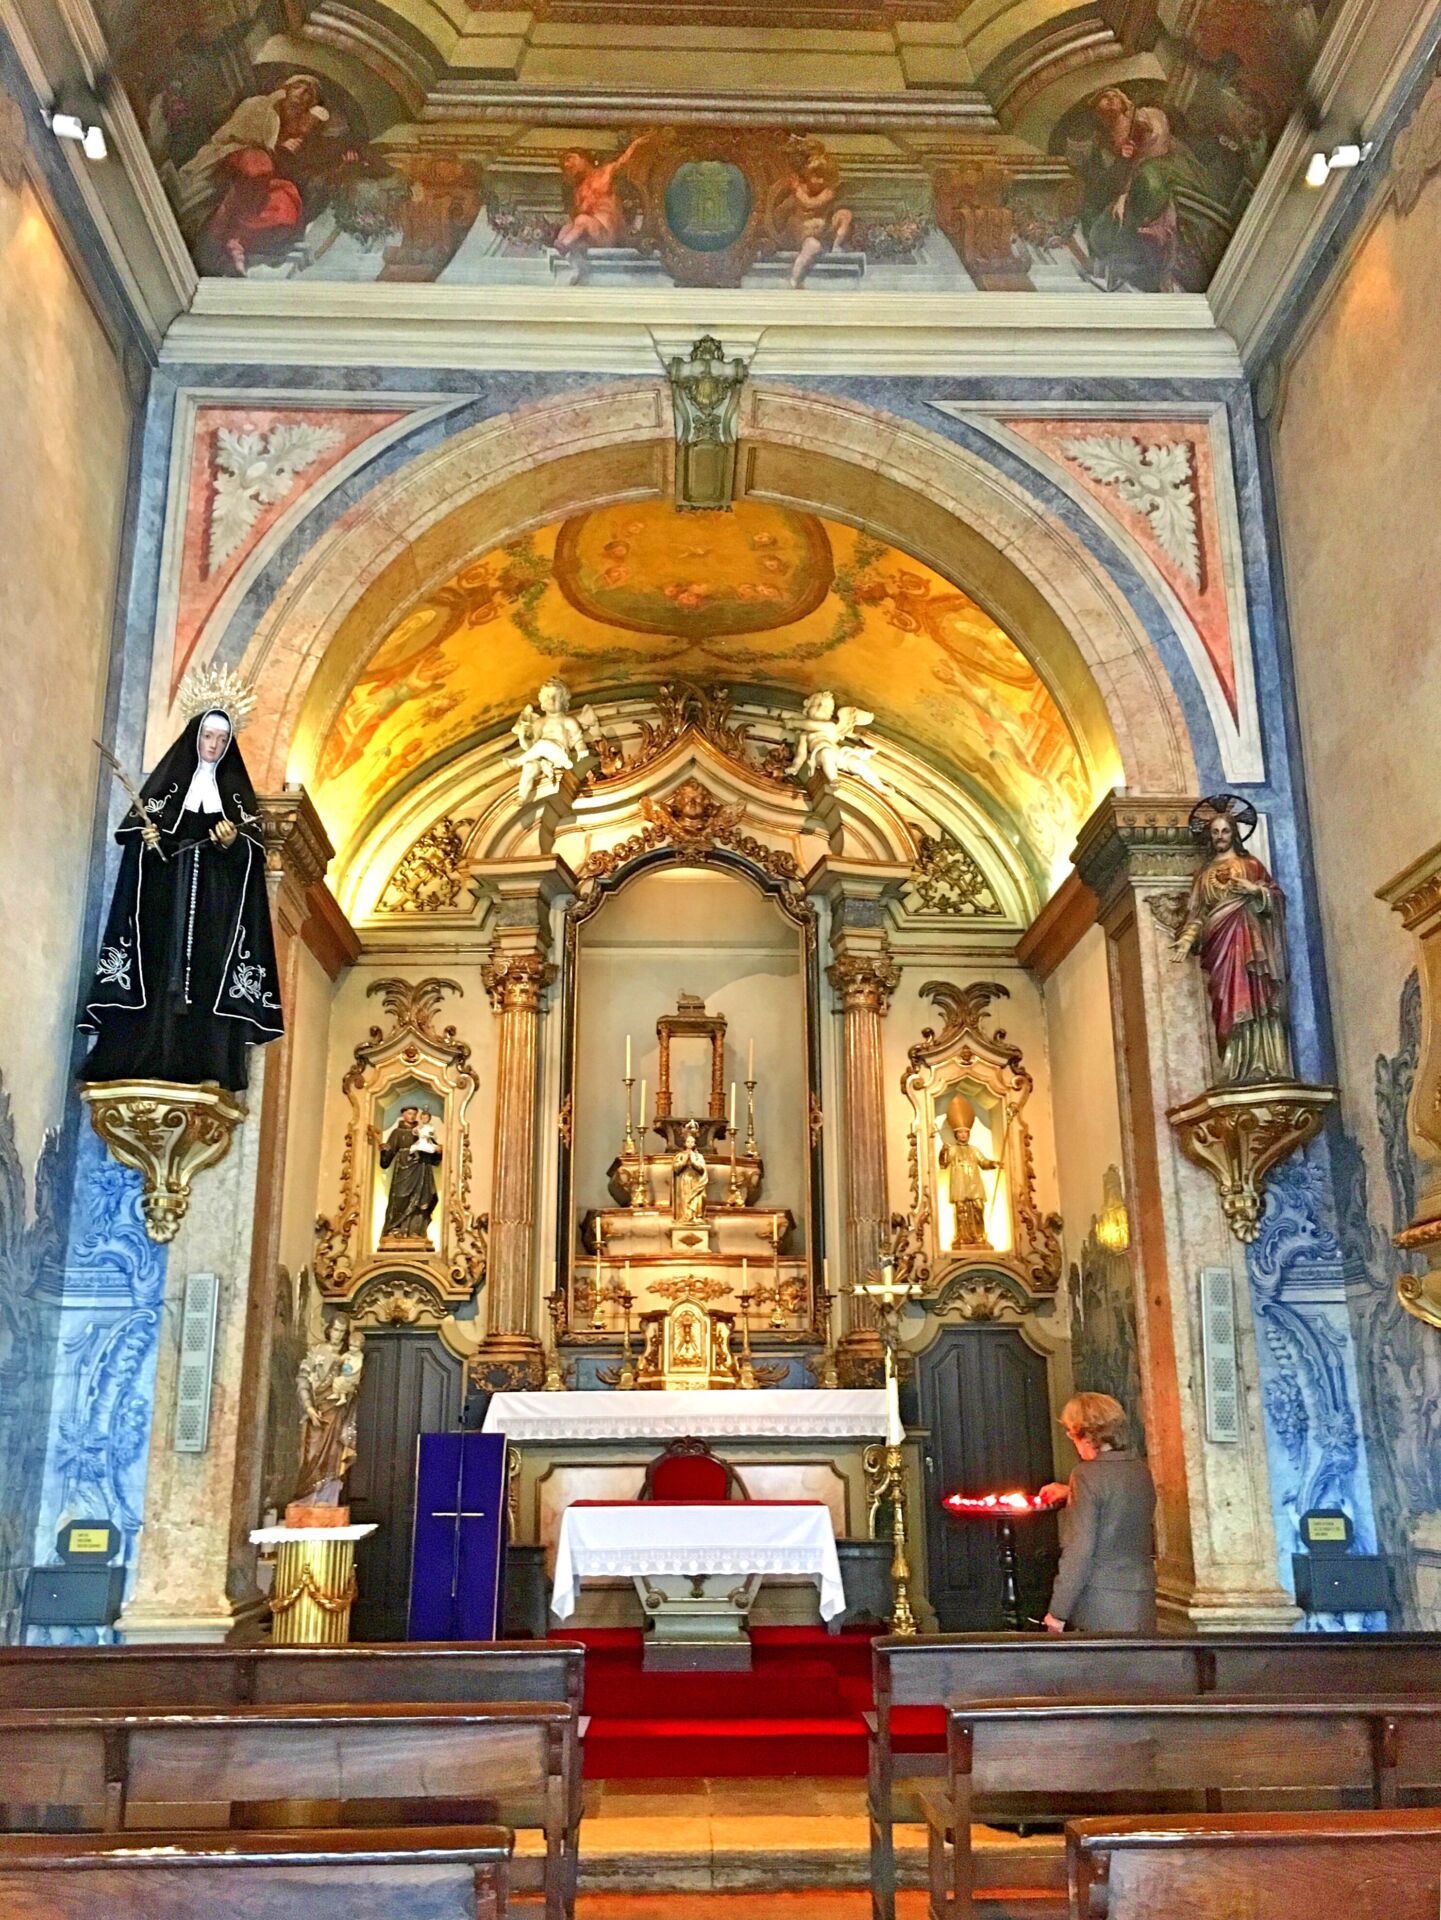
{"x": 213, "y": 689}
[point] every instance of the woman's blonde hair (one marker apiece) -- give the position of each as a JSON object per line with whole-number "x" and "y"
{"x": 1096, "y": 1417}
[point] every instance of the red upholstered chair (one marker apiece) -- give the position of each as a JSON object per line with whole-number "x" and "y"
{"x": 687, "y": 1472}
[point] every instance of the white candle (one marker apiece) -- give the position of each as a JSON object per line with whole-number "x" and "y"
{"x": 627, "y": 1056}
{"x": 745, "y": 1274}
{"x": 895, "y": 1430}
{"x": 826, "y": 1275}
{"x": 642, "y": 1109}
{"x": 751, "y": 1061}
{"x": 733, "y": 1106}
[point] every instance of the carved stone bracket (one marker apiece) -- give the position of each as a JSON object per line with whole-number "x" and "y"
{"x": 168, "y": 1133}
{"x": 1238, "y": 1134}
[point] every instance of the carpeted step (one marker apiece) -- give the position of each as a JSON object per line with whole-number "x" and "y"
{"x": 716, "y": 1748}
{"x": 776, "y": 1690}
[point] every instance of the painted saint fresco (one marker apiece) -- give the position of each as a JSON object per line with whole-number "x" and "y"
{"x": 1043, "y": 147}
{"x": 762, "y": 596}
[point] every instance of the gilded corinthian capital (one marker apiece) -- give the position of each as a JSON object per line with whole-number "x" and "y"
{"x": 516, "y": 983}
{"x": 864, "y": 981}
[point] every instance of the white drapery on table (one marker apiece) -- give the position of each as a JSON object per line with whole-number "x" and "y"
{"x": 626, "y": 1541}
{"x": 823, "y": 1413}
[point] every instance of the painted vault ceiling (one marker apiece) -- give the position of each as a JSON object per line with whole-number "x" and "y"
{"x": 834, "y": 145}
{"x": 620, "y": 598}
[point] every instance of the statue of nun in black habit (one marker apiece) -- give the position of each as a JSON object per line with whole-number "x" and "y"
{"x": 187, "y": 979}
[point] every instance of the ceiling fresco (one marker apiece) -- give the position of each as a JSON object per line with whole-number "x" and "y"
{"x": 628, "y": 595}
{"x": 839, "y": 145}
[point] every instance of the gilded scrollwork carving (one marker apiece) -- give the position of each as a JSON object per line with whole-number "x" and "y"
{"x": 168, "y": 1133}
{"x": 964, "y": 1074}
{"x": 947, "y": 879}
{"x": 434, "y": 874}
{"x": 703, "y": 714}
{"x": 1237, "y": 1134}
{"x": 414, "y": 1048}
{"x": 864, "y": 981}
{"x": 694, "y": 822}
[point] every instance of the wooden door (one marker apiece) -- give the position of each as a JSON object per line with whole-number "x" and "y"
{"x": 410, "y": 1386}
{"x": 983, "y": 1394}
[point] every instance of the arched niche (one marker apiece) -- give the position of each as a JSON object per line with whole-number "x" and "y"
{"x": 742, "y": 941}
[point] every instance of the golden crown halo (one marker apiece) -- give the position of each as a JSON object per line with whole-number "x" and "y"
{"x": 216, "y": 689}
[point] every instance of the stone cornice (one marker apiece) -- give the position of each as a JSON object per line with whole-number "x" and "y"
{"x": 1135, "y": 336}
{"x": 1415, "y": 893}
{"x": 1136, "y": 837}
{"x": 297, "y": 846}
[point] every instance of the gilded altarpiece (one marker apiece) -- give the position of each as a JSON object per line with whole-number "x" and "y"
{"x": 411, "y": 1062}
{"x": 969, "y": 1154}
{"x": 691, "y": 827}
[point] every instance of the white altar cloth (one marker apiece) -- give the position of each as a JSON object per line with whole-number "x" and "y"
{"x": 736, "y": 1537}
{"x": 823, "y": 1413}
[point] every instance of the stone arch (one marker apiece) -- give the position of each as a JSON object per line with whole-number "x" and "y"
{"x": 919, "y": 490}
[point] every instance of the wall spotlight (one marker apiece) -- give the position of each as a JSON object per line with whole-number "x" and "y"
{"x": 87, "y": 135}
{"x": 1338, "y": 159}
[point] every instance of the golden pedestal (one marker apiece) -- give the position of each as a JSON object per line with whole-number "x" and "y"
{"x": 314, "y": 1586}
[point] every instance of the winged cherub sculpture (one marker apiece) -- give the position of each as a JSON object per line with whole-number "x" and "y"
{"x": 827, "y": 743}
{"x": 552, "y": 739}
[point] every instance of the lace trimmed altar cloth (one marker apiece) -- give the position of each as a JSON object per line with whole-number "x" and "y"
{"x": 823, "y": 1413}
{"x": 637, "y": 1538}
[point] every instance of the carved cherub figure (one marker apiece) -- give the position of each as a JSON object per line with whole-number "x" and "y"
{"x": 552, "y": 740}
{"x": 826, "y": 741}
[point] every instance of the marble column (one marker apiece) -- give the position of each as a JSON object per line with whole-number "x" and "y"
{"x": 516, "y": 978}
{"x": 1416, "y": 896}
{"x": 1217, "y": 1539}
{"x": 195, "y": 1565}
{"x": 863, "y": 976}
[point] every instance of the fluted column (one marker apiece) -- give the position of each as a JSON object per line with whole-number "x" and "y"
{"x": 516, "y": 978}
{"x": 864, "y": 983}
{"x": 1217, "y": 1541}
{"x": 195, "y": 1566}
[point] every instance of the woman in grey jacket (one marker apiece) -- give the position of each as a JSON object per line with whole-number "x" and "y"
{"x": 1106, "y": 1582}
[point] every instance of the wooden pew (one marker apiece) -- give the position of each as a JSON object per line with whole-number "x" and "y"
{"x": 916, "y": 1679}
{"x": 1297, "y": 1752}
{"x": 1263, "y": 1866}
{"x": 443, "y": 1873}
{"x": 506, "y": 1762}
{"x": 181, "y": 1675}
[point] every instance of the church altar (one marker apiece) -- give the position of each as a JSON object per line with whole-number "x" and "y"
{"x": 820, "y": 1413}
{"x": 631, "y": 1540}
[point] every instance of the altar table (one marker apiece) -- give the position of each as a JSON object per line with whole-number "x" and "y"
{"x": 630, "y": 1540}
{"x": 824, "y": 1413}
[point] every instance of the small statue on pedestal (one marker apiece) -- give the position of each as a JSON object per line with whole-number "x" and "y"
{"x": 328, "y": 1388}
{"x": 690, "y": 1180}
{"x": 965, "y": 1189}
{"x": 1235, "y": 920}
{"x": 552, "y": 741}
{"x": 411, "y": 1153}
{"x": 826, "y": 743}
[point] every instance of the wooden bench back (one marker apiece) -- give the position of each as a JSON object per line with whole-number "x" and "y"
{"x": 1256, "y": 1867}
{"x": 509, "y": 1759}
{"x": 438, "y": 1873}
{"x": 187, "y": 1676}
{"x": 939, "y": 1668}
{"x": 1100, "y": 1747}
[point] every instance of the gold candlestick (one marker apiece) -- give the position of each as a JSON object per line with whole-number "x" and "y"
{"x": 640, "y": 1186}
{"x": 750, "y": 1119}
{"x": 628, "y": 1144}
{"x": 626, "y": 1381}
{"x": 744, "y": 1298}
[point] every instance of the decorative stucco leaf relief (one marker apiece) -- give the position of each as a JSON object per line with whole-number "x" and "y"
{"x": 253, "y": 471}
{"x": 1154, "y": 481}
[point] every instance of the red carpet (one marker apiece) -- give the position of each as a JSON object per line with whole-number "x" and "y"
{"x": 798, "y": 1711}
